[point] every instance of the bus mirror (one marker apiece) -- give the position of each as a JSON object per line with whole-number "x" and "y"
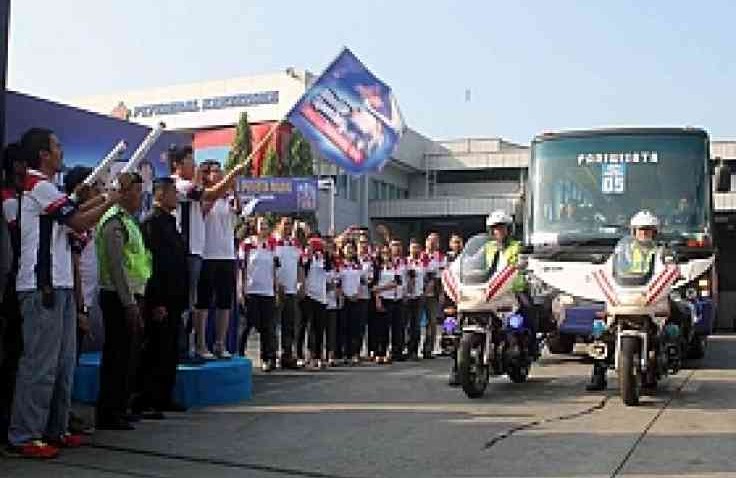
{"x": 722, "y": 177}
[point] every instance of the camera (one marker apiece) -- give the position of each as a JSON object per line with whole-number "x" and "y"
{"x": 277, "y": 262}
{"x": 398, "y": 279}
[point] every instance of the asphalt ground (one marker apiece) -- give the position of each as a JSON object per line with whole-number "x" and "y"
{"x": 403, "y": 420}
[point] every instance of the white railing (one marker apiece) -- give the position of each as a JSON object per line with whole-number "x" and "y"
{"x": 511, "y": 159}
{"x": 443, "y": 206}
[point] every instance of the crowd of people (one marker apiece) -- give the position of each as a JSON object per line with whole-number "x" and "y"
{"x": 80, "y": 256}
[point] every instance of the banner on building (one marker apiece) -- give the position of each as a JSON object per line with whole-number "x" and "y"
{"x": 279, "y": 195}
{"x": 350, "y": 116}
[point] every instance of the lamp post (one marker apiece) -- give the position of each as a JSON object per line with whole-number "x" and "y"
{"x": 329, "y": 185}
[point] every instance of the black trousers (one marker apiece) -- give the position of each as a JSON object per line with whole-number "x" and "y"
{"x": 159, "y": 358}
{"x": 332, "y": 317}
{"x": 289, "y": 326}
{"x": 382, "y": 326}
{"x": 354, "y": 316}
{"x": 119, "y": 360}
{"x": 342, "y": 349}
{"x": 11, "y": 348}
{"x": 413, "y": 309}
{"x": 395, "y": 321}
{"x": 364, "y": 310}
{"x": 260, "y": 312}
{"x": 316, "y": 318}
{"x": 302, "y": 329}
{"x": 374, "y": 327}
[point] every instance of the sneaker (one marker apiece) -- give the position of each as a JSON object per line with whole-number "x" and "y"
{"x": 301, "y": 363}
{"x": 332, "y": 363}
{"x": 68, "y": 440}
{"x": 356, "y": 361}
{"x": 266, "y": 366}
{"x": 223, "y": 354}
{"x": 206, "y": 355}
{"x": 35, "y": 449}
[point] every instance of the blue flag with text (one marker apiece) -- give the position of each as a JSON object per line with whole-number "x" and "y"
{"x": 350, "y": 116}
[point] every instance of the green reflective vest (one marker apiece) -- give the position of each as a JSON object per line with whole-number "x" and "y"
{"x": 511, "y": 254}
{"x": 640, "y": 258}
{"x": 136, "y": 258}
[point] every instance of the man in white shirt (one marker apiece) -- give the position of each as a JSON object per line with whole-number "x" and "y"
{"x": 436, "y": 262}
{"x": 45, "y": 292}
{"x": 190, "y": 217}
{"x": 416, "y": 267}
{"x": 217, "y": 279}
{"x": 288, "y": 275}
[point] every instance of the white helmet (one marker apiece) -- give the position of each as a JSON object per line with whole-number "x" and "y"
{"x": 498, "y": 217}
{"x": 644, "y": 219}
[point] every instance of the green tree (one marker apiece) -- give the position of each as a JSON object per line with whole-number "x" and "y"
{"x": 300, "y": 161}
{"x": 242, "y": 146}
{"x": 271, "y": 166}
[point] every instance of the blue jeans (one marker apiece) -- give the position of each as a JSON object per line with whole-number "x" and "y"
{"x": 43, "y": 391}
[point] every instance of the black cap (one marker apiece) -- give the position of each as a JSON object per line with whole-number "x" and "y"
{"x": 74, "y": 177}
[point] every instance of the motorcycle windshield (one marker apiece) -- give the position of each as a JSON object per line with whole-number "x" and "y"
{"x": 633, "y": 262}
{"x": 475, "y": 267}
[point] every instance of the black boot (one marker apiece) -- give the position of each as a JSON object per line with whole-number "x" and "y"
{"x": 597, "y": 380}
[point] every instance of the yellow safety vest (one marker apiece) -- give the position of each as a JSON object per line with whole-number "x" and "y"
{"x": 511, "y": 254}
{"x": 136, "y": 258}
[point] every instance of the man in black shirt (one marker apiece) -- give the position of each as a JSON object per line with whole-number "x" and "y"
{"x": 166, "y": 298}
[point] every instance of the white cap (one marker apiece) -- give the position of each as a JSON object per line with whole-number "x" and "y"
{"x": 498, "y": 217}
{"x": 644, "y": 219}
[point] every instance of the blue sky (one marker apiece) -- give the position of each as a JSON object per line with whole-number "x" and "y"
{"x": 530, "y": 66}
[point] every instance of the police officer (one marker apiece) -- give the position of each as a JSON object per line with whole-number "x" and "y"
{"x": 639, "y": 251}
{"x": 498, "y": 224}
{"x": 124, "y": 266}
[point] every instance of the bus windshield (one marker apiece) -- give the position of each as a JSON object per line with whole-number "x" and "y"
{"x": 588, "y": 187}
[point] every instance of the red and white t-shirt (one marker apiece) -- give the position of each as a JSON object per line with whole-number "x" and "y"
{"x": 351, "y": 273}
{"x": 45, "y": 251}
{"x": 260, "y": 266}
{"x": 419, "y": 266}
{"x": 289, "y": 252}
{"x": 10, "y": 205}
{"x": 315, "y": 286}
{"x": 436, "y": 263}
{"x": 390, "y": 273}
{"x": 189, "y": 217}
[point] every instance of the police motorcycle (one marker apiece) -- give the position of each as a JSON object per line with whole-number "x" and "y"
{"x": 635, "y": 334}
{"x": 495, "y": 338}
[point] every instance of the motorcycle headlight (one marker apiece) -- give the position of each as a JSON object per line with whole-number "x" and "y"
{"x": 516, "y": 321}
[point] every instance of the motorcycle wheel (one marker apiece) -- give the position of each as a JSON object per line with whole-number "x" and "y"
{"x": 629, "y": 373}
{"x": 472, "y": 373}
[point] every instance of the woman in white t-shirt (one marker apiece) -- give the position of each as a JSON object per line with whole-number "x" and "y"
{"x": 316, "y": 266}
{"x": 259, "y": 287}
{"x": 385, "y": 292}
{"x": 353, "y": 278}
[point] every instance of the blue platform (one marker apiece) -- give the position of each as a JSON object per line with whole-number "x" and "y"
{"x": 221, "y": 382}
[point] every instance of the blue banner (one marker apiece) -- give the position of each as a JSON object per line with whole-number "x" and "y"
{"x": 350, "y": 116}
{"x": 280, "y": 195}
